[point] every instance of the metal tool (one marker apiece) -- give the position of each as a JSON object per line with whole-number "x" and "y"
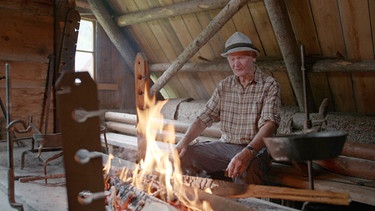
{"x": 11, "y": 197}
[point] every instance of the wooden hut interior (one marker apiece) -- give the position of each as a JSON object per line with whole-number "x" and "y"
{"x": 321, "y": 52}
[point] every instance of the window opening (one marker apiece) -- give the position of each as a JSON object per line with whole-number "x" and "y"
{"x": 84, "y": 58}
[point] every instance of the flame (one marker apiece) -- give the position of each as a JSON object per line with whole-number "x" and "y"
{"x": 162, "y": 159}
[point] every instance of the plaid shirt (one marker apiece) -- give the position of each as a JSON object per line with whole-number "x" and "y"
{"x": 242, "y": 111}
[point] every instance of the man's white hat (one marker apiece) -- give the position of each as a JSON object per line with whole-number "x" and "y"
{"x": 239, "y": 42}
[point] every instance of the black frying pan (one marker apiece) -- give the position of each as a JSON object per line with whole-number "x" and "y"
{"x": 311, "y": 146}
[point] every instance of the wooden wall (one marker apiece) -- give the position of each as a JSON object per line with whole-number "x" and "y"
{"x": 114, "y": 78}
{"x": 26, "y": 41}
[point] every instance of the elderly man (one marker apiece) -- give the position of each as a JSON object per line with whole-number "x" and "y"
{"x": 247, "y": 105}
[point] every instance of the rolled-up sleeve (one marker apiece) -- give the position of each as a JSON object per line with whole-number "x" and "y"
{"x": 272, "y": 104}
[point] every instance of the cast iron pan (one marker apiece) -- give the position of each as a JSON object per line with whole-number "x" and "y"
{"x": 311, "y": 146}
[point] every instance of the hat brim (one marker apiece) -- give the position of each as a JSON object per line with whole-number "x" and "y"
{"x": 238, "y": 49}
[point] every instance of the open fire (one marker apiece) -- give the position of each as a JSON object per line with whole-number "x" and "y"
{"x": 158, "y": 174}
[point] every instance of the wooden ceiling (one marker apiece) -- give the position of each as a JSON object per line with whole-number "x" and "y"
{"x": 338, "y": 38}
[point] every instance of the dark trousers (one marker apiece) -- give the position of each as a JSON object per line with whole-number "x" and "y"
{"x": 201, "y": 159}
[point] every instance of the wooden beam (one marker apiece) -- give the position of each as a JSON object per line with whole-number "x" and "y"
{"x": 220, "y": 66}
{"x": 275, "y": 65}
{"x": 213, "y": 27}
{"x": 344, "y": 66}
{"x": 113, "y": 31}
{"x": 182, "y": 8}
{"x": 282, "y": 26}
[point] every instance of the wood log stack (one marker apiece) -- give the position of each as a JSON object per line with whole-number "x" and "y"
{"x": 126, "y": 124}
{"x": 356, "y": 160}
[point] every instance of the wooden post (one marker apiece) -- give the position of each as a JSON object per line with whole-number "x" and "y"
{"x": 214, "y": 26}
{"x": 142, "y": 79}
{"x": 142, "y": 85}
{"x": 288, "y": 45}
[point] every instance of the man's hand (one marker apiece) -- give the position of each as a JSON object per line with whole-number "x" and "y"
{"x": 239, "y": 163}
{"x": 181, "y": 149}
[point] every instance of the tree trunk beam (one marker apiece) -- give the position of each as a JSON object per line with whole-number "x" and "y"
{"x": 182, "y": 8}
{"x": 113, "y": 31}
{"x": 279, "y": 18}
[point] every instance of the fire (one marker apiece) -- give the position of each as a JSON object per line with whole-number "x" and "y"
{"x": 162, "y": 159}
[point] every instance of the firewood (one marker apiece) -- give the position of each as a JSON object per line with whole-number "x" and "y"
{"x": 355, "y": 167}
{"x": 359, "y": 150}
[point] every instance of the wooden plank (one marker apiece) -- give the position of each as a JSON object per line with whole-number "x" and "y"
{"x": 208, "y": 83}
{"x": 35, "y": 8}
{"x": 320, "y": 87}
{"x": 195, "y": 29}
{"x": 164, "y": 33}
{"x": 107, "y": 86}
{"x": 244, "y": 23}
{"x": 187, "y": 84}
{"x": 104, "y": 62}
{"x": 27, "y": 84}
{"x": 303, "y": 25}
{"x": 25, "y": 74}
{"x": 327, "y": 21}
{"x": 148, "y": 42}
{"x": 342, "y": 92}
{"x": 357, "y": 33}
{"x": 364, "y": 89}
{"x": 200, "y": 84}
{"x": 217, "y": 77}
{"x": 21, "y": 37}
{"x": 182, "y": 30}
{"x": 264, "y": 29}
{"x": 287, "y": 96}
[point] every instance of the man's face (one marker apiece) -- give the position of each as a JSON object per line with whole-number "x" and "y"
{"x": 242, "y": 63}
